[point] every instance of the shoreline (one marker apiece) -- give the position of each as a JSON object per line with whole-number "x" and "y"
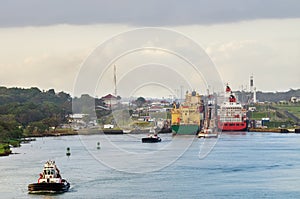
{"x": 52, "y": 134}
{"x": 5, "y": 149}
{"x": 274, "y": 130}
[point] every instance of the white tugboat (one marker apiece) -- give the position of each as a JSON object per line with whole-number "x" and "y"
{"x": 50, "y": 181}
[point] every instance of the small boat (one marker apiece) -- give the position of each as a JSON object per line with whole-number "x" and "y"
{"x": 151, "y": 139}
{"x": 207, "y": 133}
{"x": 50, "y": 181}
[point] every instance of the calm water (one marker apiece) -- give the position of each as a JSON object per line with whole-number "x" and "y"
{"x": 250, "y": 165}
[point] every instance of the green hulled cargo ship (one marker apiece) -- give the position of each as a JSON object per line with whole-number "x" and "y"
{"x": 185, "y": 129}
{"x": 187, "y": 117}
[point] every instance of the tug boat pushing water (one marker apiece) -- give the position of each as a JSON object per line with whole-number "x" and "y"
{"x": 50, "y": 181}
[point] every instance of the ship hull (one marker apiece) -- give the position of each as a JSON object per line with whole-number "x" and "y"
{"x": 48, "y": 187}
{"x": 232, "y": 126}
{"x": 185, "y": 129}
{"x": 151, "y": 140}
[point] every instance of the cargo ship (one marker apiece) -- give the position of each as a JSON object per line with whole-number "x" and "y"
{"x": 231, "y": 114}
{"x": 187, "y": 117}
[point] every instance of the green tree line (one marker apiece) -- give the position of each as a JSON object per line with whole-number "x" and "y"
{"x": 27, "y": 110}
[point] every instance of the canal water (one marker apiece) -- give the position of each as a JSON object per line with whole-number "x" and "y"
{"x": 237, "y": 165}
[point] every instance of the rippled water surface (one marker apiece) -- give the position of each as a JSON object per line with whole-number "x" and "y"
{"x": 242, "y": 165}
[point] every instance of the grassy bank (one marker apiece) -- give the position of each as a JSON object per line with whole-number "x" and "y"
{"x": 5, "y": 147}
{"x": 293, "y": 108}
{"x": 280, "y": 115}
{"x": 4, "y": 150}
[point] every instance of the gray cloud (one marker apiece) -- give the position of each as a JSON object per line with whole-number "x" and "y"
{"x": 14, "y": 13}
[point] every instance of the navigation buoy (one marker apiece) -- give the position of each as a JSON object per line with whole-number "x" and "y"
{"x": 68, "y": 152}
{"x": 98, "y": 145}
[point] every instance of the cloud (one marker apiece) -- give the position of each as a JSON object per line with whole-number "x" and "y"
{"x": 45, "y": 72}
{"x": 16, "y": 13}
{"x": 51, "y": 56}
{"x": 272, "y": 65}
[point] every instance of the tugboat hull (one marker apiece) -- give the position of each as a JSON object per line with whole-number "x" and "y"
{"x": 48, "y": 187}
{"x": 151, "y": 140}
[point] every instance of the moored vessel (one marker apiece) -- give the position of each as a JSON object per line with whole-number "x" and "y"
{"x": 50, "y": 181}
{"x": 209, "y": 129}
{"x": 187, "y": 117}
{"x": 231, "y": 114}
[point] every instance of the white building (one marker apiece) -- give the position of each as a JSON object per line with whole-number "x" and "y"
{"x": 295, "y": 99}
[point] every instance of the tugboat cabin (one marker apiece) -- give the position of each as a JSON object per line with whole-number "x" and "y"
{"x": 50, "y": 173}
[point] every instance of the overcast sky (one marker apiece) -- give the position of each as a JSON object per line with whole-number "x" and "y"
{"x": 45, "y": 43}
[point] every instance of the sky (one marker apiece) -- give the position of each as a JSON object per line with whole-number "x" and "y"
{"x": 48, "y": 44}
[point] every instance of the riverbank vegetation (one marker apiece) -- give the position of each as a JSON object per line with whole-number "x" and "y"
{"x": 280, "y": 115}
{"x": 26, "y": 112}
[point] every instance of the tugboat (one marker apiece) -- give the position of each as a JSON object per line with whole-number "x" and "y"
{"x": 151, "y": 139}
{"x": 50, "y": 181}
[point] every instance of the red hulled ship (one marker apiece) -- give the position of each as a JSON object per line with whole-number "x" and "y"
{"x": 231, "y": 114}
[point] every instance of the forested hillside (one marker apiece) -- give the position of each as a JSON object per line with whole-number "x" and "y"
{"x": 277, "y": 96}
{"x": 31, "y": 109}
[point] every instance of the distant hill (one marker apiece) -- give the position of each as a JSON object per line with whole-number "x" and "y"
{"x": 277, "y": 96}
{"x": 268, "y": 96}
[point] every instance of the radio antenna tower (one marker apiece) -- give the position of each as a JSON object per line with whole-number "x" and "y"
{"x": 115, "y": 80}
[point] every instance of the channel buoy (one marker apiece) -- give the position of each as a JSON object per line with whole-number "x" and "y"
{"x": 68, "y": 152}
